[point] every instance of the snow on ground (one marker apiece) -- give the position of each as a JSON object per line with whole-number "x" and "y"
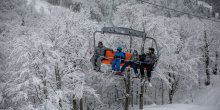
{"x": 210, "y": 96}
{"x": 179, "y": 107}
{"x": 207, "y": 98}
{"x": 204, "y": 4}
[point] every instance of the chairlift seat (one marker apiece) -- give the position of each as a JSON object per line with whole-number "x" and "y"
{"x": 109, "y": 56}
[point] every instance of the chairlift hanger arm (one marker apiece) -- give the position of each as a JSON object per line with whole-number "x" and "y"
{"x": 123, "y": 31}
{"x": 94, "y": 37}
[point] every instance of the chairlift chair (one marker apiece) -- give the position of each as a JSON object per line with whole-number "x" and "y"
{"x": 109, "y": 55}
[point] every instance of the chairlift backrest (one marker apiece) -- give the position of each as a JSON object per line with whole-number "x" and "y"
{"x": 109, "y": 56}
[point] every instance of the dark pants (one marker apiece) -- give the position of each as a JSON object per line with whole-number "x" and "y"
{"x": 96, "y": 61}
{"x": 133, "y": 65}
{"x": 116, "y": 64}
{"x": 149, "y": 68}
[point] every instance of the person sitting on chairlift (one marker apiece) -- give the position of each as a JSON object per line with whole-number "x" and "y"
{"x": 147, "y": 61}
{"x": 99, "y": 54}
{"x": 133, "y": 62}
{"x": 118, "y": 57}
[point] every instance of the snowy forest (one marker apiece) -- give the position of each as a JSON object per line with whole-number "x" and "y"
{"x": 46, "y": 47}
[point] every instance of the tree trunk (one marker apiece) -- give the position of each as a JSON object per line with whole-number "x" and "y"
{"x": 207, "y": 60}
{"x": 58, "y": 80}
{"x": 44, "y": 77}
{"x": 199, "y": 80}
{"x": 170, "y": 90}
{"x": 45, "y": 91}
{"x": 148, "y": 94}
{"x": 137, "y": 94}
{"x": 141, "y": 103}
{"x": 127, "y": 94}
{"x": 85, "y": 103}
{"x": 155, "y": 95}
{"x": 145, "y": 92}
{"x": 45, "y": 86}
{"x": 162, "y": 92}
{"x": 191, "y": 95}
{"x": 174, "y": 83}
{"x": 22, "y": 21}
{"x": 81, "y": 104}
{"x": 132, "y": 95}
{"x": 74, "y": 104}
{"x": 170, "y": 96}
{"x": 215, "y": 71}
{"x": 129, "y": 89}
{"x": 116, "y": 93}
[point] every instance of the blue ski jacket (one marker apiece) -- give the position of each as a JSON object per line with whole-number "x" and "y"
{"x": 119, "y": 55}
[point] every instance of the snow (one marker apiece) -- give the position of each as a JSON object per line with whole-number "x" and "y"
{"x": 179, "y": 107}
{"x": 207, "y": 98}
{"x": 210, "y": 96}
{"x": 204, "y": 4}
{"x": 216, "y": 15}
{"x": 40, "y": 6}
{"x": 29, "y": 2}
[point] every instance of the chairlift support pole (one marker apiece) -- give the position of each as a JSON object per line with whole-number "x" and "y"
{"x": 94, "y": 38}
{"x": 130, "y": 44}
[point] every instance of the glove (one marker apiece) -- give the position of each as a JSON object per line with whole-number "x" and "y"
{"x": 137, "y": 62}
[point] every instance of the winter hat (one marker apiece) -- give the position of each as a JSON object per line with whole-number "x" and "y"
{"x": 135, "y": 52}
{"x": 119, "y": 49}
{"x": 151, "y": 49}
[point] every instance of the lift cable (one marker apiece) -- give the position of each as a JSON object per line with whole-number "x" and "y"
{"x": 202, "y": 17}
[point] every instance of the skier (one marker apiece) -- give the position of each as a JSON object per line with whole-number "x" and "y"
{"x": 98, "y": 56}
{"x": 147, "y": 61}
{"x": 133, "y": 61}
{"x": 118, "y": 56}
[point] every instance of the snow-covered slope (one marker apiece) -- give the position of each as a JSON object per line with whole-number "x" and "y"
{"x": 210, "y": 96}
{"x": 180, "y": 107}
{"x": 207, "y": 98}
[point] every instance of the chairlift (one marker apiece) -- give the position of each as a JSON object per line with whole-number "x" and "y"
{"x": 126, "y": 32}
